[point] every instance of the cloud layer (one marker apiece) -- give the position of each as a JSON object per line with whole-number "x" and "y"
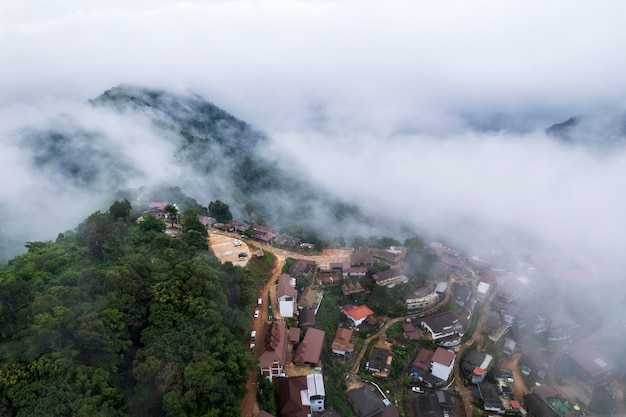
{"x": 433, "y": 112}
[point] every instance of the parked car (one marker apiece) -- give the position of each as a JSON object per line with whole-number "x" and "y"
{"x": 419, "y": 390}
{"x": 252, "y": 346}
{"x": 256, "y": 313}
{"x": 237, "y": 242}
{"x": 243, "y": 255}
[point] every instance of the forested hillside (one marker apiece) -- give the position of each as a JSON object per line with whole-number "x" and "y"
{"x": 119, "y": 319}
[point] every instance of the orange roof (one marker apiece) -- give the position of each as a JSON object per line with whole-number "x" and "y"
{"x": 479, "y": 371}
{"x": 515, "y": 404}
{"x": 358, "y": 313}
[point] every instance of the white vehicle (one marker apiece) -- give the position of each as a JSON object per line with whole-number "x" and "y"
{"x": 237, "y": 242}
{"x": 253, "y": 335}
{"x": 259, "y": 301}
{"x": 256, "y": 313}
{"x": 419, "y": 390}
{"x": 252, "y": 346}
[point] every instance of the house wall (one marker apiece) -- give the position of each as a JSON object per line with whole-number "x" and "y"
{"x": 441, "y": 371}
{"x": 286, "y": 308}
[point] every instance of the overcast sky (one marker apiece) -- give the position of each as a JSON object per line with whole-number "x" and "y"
{"x": 385, "y": 93}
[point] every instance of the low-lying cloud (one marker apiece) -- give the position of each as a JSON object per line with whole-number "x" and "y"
{"x": 430, "y": 112}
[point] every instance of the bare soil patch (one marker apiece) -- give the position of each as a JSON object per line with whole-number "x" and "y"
{"x": 224, "y": 248}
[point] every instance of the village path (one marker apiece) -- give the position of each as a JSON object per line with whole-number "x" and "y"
{"x": 466, "y": 393}
{"x": 357, "y": 359}
{"x": 249, "y": 406}
{"x": 519, "y": 385}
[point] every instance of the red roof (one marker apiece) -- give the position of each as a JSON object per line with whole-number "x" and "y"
{"x": 479, "y": 371}
{"x": 358, "y": 313}
{"x": 515, "y": 404}
{"x": 310, "y": 349}
{"x": 443, "y": 356}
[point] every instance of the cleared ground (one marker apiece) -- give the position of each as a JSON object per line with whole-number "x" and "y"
{"x": 224, "y": 248}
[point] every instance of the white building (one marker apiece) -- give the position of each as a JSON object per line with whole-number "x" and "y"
{"x": 315, "y": 392}
{"x": 286, "y": 293}
{"x": 442, "y": 363}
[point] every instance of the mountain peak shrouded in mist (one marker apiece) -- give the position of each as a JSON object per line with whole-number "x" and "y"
{"x": 77, "y": 157}
{"x": 198, "y": 116}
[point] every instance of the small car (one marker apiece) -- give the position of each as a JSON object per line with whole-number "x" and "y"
{"x": 256, "y": 314}
{"x": 419, "y": 390}
{"x": 237, "y": 242}
{"x": 252, "y": 346}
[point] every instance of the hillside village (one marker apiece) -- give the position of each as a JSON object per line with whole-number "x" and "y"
{"x": 466, "y": 336}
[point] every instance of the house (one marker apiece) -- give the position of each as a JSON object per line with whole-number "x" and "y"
{"x": 485, "y": 285}
{"x": 422, "y": 362}
{"x": 273, "y": 349}
{"x": 509, "y": 347}
{"x": 361, "y": 257}
{"x": 444, "y": 328}
{"x": 591, "y": 366}
{"x": 316, "y": 392}
{"x": 342, "y": 343}
{"x": 447, "y": 256}
{"x": 461, "y": 293}
{"x": 306, "y": 318}
{"x": 310, "y": 349}
{"x": 357, "y": 314}
{"x": 535, "y": 363}
{"x": 427, "y": 405}
{"x": 290, "y": 400}
{"x": 475, "y": 365}
{"x": 294, "y": 335}
{"x": 490, "y": 396}
{"x": 379, "y": 362}
{"x": 300, "y": 396}
{"x": 366, "y": 404}
{"x": 263, "y": 233}
{"x": 237, "y": 226}
{"x": 310, "y": 298}
{"x": 284, "y": 239}
{"x": 357, "y": 272}
{"x": 390, "y": 277}
{"x": 352, "y": 287}
{"x": 444, "y": 399}
{"x": 492, "y": 323}
{"x": 409, "y": 331}
{"x": 536, "y": 407}
{"x": 286, "y": 293}
{"x": 157, "y": 209}
{"x": 442, "y": 363}
{"x": 302, "y": 268}
{"x": 421, "y": 299}
{"x": 392, "y": 255}
{"x": 206, "y": 220}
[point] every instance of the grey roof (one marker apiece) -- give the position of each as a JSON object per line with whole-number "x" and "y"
{"x": 427, "y": 405}
{"x": 537, "y": 407}
{"x": 364, "y": 402}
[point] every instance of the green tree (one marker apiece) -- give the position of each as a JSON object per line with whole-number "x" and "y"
{"x": 220, "y": 211}
{"x": 120, "y": 210}
{"x": 172, "y": 213}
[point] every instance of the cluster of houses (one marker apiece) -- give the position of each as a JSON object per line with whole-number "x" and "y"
{"x": 513, "y": 311}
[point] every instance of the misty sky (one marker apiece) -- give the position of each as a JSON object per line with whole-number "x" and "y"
{"x": 388, "y": 95}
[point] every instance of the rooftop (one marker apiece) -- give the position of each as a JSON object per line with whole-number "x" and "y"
{"x": 310, "y": 349}
{"x": 443, "y": 356}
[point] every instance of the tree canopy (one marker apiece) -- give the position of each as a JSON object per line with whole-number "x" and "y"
{"x": 220, "y": 211}
{"x": 119, "y": 319}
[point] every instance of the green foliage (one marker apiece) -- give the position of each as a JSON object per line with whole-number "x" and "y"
{"x": 150, "y": 223}
{"x": 220, "y": 211}
{"x": 120, "y": 210}
{"x": 121, "y": 319}
{"x": 260, "y": 267}
{"x": 266, "y": 396}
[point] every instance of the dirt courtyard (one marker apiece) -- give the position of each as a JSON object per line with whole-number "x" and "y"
{"x": 224, "y": 248}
